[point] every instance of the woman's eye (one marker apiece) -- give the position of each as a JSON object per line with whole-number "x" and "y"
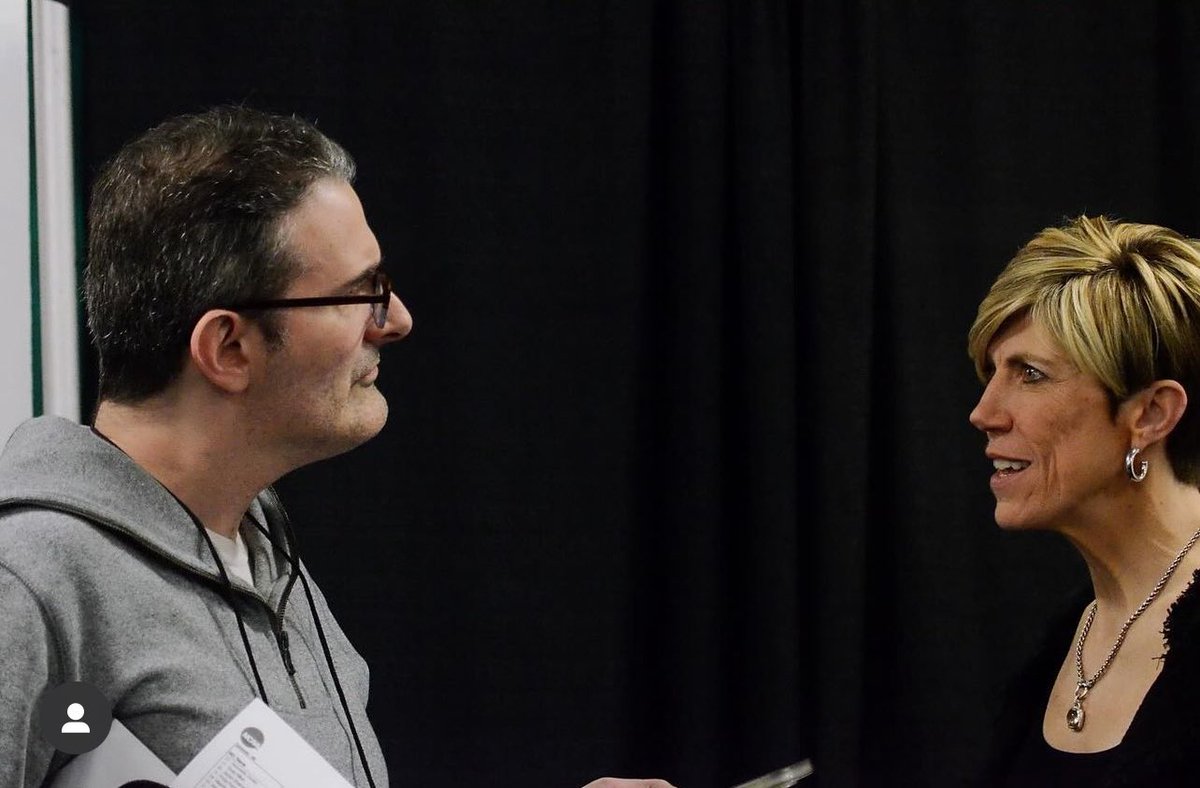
{"x": 1031, "y": 375}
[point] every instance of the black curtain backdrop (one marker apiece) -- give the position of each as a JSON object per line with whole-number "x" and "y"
{"x": 678, "y": 479}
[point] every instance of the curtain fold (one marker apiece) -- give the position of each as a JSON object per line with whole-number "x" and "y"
{"x": 723, "y": 667}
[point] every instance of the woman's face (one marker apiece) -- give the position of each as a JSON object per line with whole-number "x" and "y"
{"x": 1057, "y": 452}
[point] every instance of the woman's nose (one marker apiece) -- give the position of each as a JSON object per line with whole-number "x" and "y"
{"x": 988, "y": 414}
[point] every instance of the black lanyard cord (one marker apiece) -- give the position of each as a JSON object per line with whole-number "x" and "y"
{"x": 337, "y": 683}
{"x": 226, "y": 584}
{"x": 271, "y": 504}
{"x": 231, "y": 600}
{"x": 277, "y": 507}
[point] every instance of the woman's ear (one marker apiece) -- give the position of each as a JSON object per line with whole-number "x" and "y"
{"x": 220, "y": 349}
{"x": 1155, "y": 410}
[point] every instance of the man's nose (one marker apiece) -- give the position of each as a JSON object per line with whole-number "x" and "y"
{"x": 397, "y": 326}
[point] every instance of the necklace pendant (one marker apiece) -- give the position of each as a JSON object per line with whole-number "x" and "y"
{"x": 1075, "y": 717}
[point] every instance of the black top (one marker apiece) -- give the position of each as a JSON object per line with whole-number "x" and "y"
{"x": 1037, "y": 763}
{"x": 1162, "y": 745}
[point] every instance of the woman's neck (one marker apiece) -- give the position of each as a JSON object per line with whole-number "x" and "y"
{"x": 1130, "y": 548}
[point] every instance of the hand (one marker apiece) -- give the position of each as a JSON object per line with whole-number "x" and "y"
{"x": 613, "y": 782}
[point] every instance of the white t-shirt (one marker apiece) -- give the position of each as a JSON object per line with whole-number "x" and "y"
{"x": 234, "y": 555}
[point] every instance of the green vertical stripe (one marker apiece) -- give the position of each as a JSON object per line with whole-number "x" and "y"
{"x": 35, "y": 286}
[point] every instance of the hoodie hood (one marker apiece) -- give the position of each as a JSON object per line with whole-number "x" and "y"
{"x": 54, "y": 463}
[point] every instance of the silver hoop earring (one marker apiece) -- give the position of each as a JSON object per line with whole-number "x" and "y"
{"x": 1142, "y": 467}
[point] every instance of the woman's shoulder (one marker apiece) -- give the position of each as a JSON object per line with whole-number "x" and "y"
{"x": 1181, "y": 629}
{"x": 1160, "y": 743}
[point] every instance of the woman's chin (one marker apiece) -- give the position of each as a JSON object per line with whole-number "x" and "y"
{"x": 1008, "y": 518}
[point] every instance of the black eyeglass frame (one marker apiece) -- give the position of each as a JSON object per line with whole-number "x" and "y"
{"x": 379, "y": 301}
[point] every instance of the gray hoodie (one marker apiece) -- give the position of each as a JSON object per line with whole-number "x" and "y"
{"x": 105, "y": 578}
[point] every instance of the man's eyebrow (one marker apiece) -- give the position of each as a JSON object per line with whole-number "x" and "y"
{"x": 364, "y": 278}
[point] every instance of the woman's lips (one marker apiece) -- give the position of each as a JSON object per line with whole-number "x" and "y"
{"x": 1005, "y": 471}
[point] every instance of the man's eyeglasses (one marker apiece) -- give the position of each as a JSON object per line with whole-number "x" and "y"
{"x": 379, "y": 300}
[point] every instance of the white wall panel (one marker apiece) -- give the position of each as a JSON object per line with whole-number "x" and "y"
{"x": 56, "y": 208}
{"x": 16, "y": 353}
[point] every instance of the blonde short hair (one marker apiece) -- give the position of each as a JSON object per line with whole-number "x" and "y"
{"x": 1121, "y": 300}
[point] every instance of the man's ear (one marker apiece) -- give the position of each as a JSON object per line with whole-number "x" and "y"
{"x": 1155, "y": 410}
{"x": 222, "y": 348}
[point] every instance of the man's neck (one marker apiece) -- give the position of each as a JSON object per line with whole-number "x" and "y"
{"x": 201, "y": 455}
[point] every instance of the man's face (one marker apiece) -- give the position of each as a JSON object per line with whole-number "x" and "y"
{"x": 318, "y": 389}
